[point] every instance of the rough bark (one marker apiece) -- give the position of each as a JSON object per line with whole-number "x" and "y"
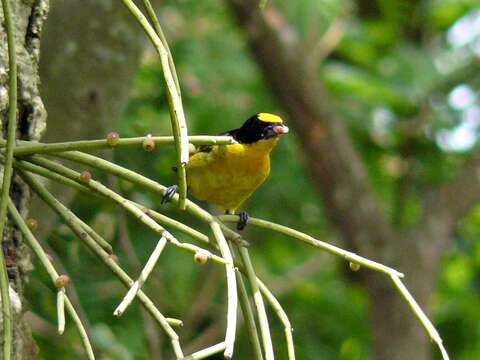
{"x": 28, "y": 18}
{"x": 339, "y": 174}
{"x": 87, "y": 68}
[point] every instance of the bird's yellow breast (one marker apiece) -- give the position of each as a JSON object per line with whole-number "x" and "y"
{"x": 229, "y": 174}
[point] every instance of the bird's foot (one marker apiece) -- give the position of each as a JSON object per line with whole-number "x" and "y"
{"x": 242, "y": 220}
{"x": 168, "y": 194}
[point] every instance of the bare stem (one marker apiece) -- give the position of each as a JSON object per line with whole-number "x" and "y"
{"x": 258, "y": 300}
{"x": 72, "y": 221}
{"x": 61, "y": 310}
{"x": 7, "y": 178}
{"x": 205, "y": 353}
{"x": 158, "y": 29}
{"x": 177, "y": 116}
{"x": 417, "y": 310}
{"x": 332, "y": 249}
{"x": 132, "y": 292}
{"x": 46, "y": 263}
{"x": 29, "y": 148}
{"x": 282, "y": 315}
{"x": 248, "y": 317}
{"x": 140, "y": 215}
{"x": 232, "y": 299}
{"x": 393, "y": 274}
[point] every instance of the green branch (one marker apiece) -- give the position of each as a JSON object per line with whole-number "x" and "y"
{"x": 46, "y": 263}
{"x": 206, "y": 217}
{"x": 160, "y": 218}
{"x": 393, "y": 274}
{"x": 248, "y": 317}
{"x": 144, "y": 274}
{"x": 282, "y": 315}
{"x": 206, "y": 353}
{"x": 158, "y": 29}
{"x": 332, "y": 249}
{"x": 134, "y": 210}
{"x": 75, "y": 225}
{"x": 258, "y": 301}
{"x": 232, "y": 297}
{"x": 30, "y": 148}
{"x": 177, "y": 116}
{"x": 7, "y": 178}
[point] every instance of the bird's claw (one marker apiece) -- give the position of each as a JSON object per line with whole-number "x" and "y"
{"x": 168, "y": 194}
{"x": 242, "y": 220}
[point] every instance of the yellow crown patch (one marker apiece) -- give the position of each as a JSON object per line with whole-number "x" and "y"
{"x": 267, "y": 117}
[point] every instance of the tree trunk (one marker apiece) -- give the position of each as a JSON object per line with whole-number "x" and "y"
{"x": 28, "y": 18}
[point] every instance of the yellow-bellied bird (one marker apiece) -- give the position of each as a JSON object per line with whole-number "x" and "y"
{"x": 227, "y": 175}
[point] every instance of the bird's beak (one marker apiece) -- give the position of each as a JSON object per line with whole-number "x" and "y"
{"x": 280, "y": 129}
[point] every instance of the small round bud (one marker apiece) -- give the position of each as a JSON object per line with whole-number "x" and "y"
{"x": 49, "y": 257}
{"x": 354, "y": 266}
{"x": 62, "y": 281}
{"x": 32, "y": 224}
{"x": 112, "y": 138}
{"x": 86, "y": 176}
{"x": 114, "y": 257}
{"x": 200, "y": 257}
{"x": 148, "y": 143}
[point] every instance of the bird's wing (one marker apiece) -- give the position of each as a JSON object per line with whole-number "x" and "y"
{"x": 209, "y": 148}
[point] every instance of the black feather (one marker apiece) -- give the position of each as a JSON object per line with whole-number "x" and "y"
{"x": 251, "y": 131}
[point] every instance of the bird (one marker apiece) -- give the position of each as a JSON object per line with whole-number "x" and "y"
{"x": 227, "y": 175}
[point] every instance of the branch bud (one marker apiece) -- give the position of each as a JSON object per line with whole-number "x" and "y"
{"x": 86, "y": 176}
{"x": 148, "y": 143}
{"x": 62, "y": 281}
{"x": 112, "y": 138}
{"x": 200, "y": 257}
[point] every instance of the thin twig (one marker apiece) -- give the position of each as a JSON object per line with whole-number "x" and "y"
{"x": 46, "y": 263}
{"x": 202, "y": 354}
{"x": 81, "y": 329}
{"x": 72, "y": 221}
{"x": 29, "y": 148}
{"x": 134, "y": 265}
{"x": 392, "y": 273}
{"x": 258, "y": 301}
{"x": 282, "y": 315}
{"x": 160, "y": 218}
{"x": 332, "y": 249}
{"x": 417, "y": 310}
{"x": 232, "y": 298}
{"x": 24, "y": 165}
{"x": 61, "y": 310}
{"x": 177, "y": 116}
{"x": 248, "y": 317}
{"x": 124, "y": 203}
{"x": 158, "y": 29}
{"x": 137, "y": 285}
{"x": 7, "y": 178}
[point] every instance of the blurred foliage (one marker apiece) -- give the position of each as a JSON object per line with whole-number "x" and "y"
{"x": 405, "y": 78}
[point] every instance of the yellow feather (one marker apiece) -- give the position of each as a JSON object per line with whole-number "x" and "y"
{"x": 229, "y": 174}
{"x": 267, "y": 117}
